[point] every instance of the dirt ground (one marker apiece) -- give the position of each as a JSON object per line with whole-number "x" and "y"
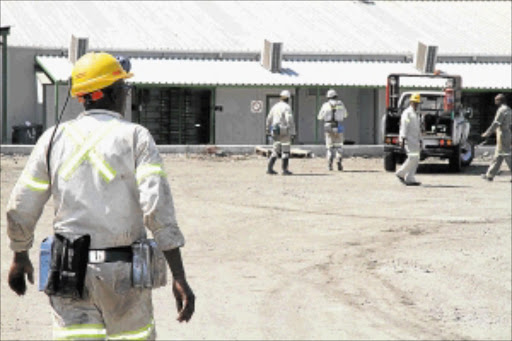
{"x": 319, "y": 255}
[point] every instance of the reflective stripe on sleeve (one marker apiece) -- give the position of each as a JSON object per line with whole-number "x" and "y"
{"x": 139, "y": 334}
{"x": 80, "y": 331}
{"x": 35, "y": 184}
{"x": 413, "y": 154}
{"x": 143, "y": 171}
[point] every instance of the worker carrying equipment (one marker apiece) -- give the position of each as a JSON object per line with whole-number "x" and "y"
{"x": 333, "y": 113}
{"x": 281, "y": 126}
{"x": 108, "y": 184}
{"x": 502, "y": 125}
{"x": 410, "y": 139}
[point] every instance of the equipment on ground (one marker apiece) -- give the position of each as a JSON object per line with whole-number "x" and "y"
{"x": 444, "y": 122}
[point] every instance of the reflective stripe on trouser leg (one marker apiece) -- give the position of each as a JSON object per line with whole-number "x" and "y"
{"x": 76, "y": 320}
{"x": 139, "y": 334}
{"x": 80, "y": 332}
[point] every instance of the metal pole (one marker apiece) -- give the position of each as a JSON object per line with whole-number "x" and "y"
{"x": 4, "y": 85}
{"x": 212, "y": 115}
{"x": 317, "y": 107}
{"x": 56, "y": 88}
{"x": 296, "y": 109}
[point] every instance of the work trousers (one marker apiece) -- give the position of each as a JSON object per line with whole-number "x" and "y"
{"x": 282, "y": 145}
{"x": 111, "y": 308}
{"x": 334, "y": 144}
{"x": 408, "y": 169}
{"x": 503, "y": 152}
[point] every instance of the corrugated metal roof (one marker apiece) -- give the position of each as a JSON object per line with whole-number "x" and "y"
{"x": 457, "y": 27}
{"x": 295, "y": 73}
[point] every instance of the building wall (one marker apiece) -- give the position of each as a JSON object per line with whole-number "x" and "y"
{"x": 22, "y": 99}
{"x": 236, "y": 124}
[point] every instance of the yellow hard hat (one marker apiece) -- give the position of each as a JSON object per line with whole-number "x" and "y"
{"x": 95, "y": 71}
{"x": 415, "y": 97}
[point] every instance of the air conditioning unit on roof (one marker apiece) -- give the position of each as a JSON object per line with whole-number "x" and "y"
{"x": 271, "y": 56}
{"x": 426, "y": 58}
{"x": 77, "y": 48}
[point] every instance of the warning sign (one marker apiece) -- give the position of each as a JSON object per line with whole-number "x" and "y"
{"x": 256, "y": 107}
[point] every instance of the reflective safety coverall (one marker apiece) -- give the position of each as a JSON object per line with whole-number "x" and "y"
{"x": 333, "y": 112}
{"x": 281, "y": 116}
{"x": 410, "y": 131}
{"x": 501, "y": 124}
{"x": 107, "y": 180}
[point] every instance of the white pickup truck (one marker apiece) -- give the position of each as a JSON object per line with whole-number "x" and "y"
{"x": 444, "y": 124}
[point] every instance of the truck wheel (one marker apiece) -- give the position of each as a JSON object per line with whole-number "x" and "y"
{"x": 389, "y": 162}
{"x": 467, "y": 153}
{"x": 455, "y": 160}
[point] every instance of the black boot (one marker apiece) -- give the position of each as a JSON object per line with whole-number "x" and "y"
{"x": 285, "y": 167}
{"x": 270, "y": 168}
{"x": 329, "y": 164}
{"x": 340, "y": 166}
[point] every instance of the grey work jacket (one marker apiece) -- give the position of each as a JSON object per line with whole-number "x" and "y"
{"x": 410, "y": 130}
{"x": 281, "y": 115}
{"x": 107, "y": 180}
{"x": 501, "y": 125}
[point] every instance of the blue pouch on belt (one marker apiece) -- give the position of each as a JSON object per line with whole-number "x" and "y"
{"x": 45, "y": 259}
{"x": 341, "y": 127}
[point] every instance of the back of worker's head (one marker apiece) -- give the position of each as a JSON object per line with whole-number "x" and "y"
{"x": 331, "y": 94}
{"x": 285, "y": 96}
{"x": 98, "y": 81}
{"x": 500, "y": 99}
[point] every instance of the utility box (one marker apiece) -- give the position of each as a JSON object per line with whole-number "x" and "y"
{"x": 271, "y": 56}
{"x": 426, "y": 58}
{"x": 26, "y": 134}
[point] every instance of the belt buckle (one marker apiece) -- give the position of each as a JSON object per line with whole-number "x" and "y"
{"x": 97, "y": 256}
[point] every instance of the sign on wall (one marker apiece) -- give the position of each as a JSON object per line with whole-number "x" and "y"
{"x": 256, "y": 107}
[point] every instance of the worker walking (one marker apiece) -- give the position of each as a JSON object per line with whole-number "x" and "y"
{"x": 501, "y": 125}
{"x": 108, "y": 184}
{"x": 410, "y": 139}
{"x": 333, "y": 112}
{"x": 281, "y": 127}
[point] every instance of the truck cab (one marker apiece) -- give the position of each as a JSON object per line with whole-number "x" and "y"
{"x": 444, "y": 123}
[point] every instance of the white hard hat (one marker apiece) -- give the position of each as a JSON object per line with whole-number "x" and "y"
{"x": 331, "y": 93}
{"x": 285, "y": 93}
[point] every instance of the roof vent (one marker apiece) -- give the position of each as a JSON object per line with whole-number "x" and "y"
{"x": 271, "y": 56}
{"x": 77, "y": 48}
{"x": 426, "y": 58}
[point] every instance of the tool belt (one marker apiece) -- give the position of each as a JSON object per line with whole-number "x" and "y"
{"x": 277, "y": 130}
{"x": 334, "y": 127}
{"x": 63, "y": 270}
{"x": 115, "y": 254}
